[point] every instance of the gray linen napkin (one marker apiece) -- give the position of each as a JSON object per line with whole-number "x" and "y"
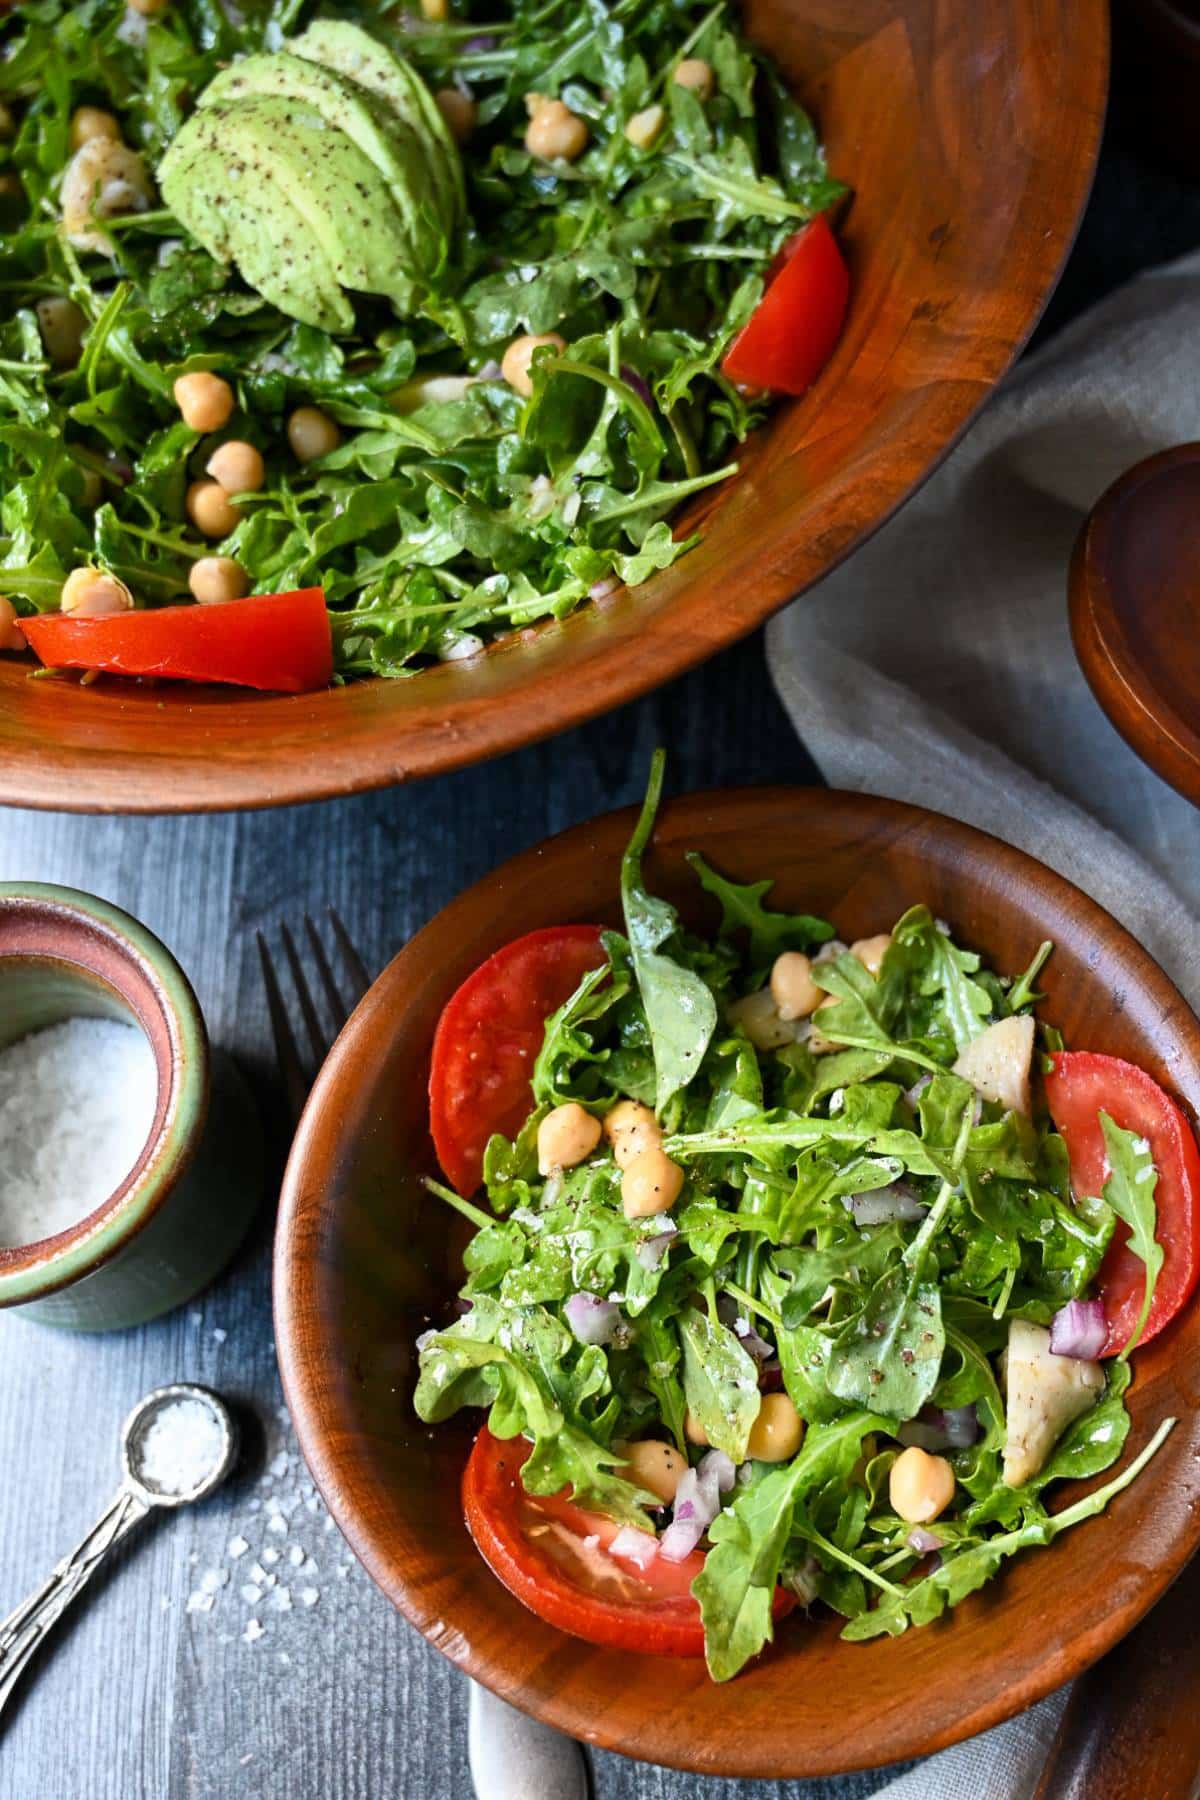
{"x": 936, "y": 667}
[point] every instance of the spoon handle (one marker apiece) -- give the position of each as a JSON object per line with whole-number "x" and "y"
{"x": 22, "y": 1632}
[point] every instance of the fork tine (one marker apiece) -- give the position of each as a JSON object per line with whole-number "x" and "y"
{"x": 350, "y": 956}
{"x": 295, "y": 1086}
{"x": 337, "y": 1005}
{"x": 308, "y": 1011}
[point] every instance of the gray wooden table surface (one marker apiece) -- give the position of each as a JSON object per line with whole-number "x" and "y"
{"x": 194, "y": 1673}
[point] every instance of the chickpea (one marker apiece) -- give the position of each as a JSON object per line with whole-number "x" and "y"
{"x": 776, "y": 1434}
{"x": 920, "y": 1486}
{"x": 693, "y": 1430}
{"x": 514, "y": 365}
{"x": 555, "y": 133}
{"x": 818, "y": 1043}
{"x": 566, "y": 1136}
{"x": 651, "y": 1184}
{"x": 237, "y": 467}
{"x": 91, "y": 594}
{"x": 88, "y": 122}
{"x": 11, "y": 635}
{"x": 694, "y": 73}
{"x": 631, "y": 1128}
{"x": 62, "y": 325}
{"x": 436, "y": 11}
{"x": 870, "y": 952}
{"x": 104, "y": 180}
{"x": 210, "y": 509}
{"x": 205, "y": 400}
{"x": 653, "y": 1465}
{"x": 757, "y": 1017}
{"x": 643, "y": 127}
{"x": 312, "y": 433}
{"x": 458, "y": 110}
{"x": 215, "y": 579}
{"x": 793, "y": 989}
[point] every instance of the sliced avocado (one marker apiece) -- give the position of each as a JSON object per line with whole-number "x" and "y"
{"x": 387, "y": 140}
{"x": 272, "y": 244}
{"x": 350, "y": 51}
{"x": 289, "y": 147}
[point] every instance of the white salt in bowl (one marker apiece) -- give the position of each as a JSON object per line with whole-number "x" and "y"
{"x": 177, "y": 1213}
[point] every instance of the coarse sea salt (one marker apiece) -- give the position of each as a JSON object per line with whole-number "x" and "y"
{"x": 77, "y": 1101}
{"x": 182, "y": 1444}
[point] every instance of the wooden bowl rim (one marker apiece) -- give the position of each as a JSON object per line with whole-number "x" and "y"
{"x": 296, "y": 1283}
{"x": 1131, "y": 702}
{"x": 566, "y": 681}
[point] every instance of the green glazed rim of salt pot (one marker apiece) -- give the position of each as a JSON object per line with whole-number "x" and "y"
{"x": 70, "y": 953}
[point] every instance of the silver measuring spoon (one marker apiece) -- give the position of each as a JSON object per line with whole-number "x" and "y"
{"x": 145, "y": 1485}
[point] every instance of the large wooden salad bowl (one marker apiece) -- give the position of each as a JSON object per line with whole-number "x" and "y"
{"x": 363, "y": 1259}
{"x": 969, "y": 134}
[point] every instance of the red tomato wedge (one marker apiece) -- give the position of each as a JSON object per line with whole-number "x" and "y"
{"x": 488, "y": 1038}
{"x": 1083, "y": 1084}
{"x": 277, "y": 642}
{"x": 553, "y": 1556}
{"x": 791, "y": 333}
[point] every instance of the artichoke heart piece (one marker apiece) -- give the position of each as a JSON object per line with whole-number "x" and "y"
{"x": 272, "y": 245}
{"x": 352, "y": 52}
{"x": 283, "y": 148}
{"x": 384, "y": 138}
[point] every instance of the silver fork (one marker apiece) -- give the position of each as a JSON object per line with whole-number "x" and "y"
{"x": 511, "y": 1755}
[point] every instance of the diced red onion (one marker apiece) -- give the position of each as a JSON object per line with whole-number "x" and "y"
{"x": 961, "y": 1424}
{"x": 632, "y": 379}
{"x": 651, "y": 1251}
{"x": 913, "y": 1094}
{"x": 881, "y": 1205}
{"x": 1079, "y": 1329}
{"x": 600, "y": 590}
{"x": 922, "y": 1541}
{"x": 490, "y": 371}
{"x": 977, "y": 1110}
{"x": 770, "y": 1377}
{"x": 484, "y": 42}
{"x": 722, "y": 1467}
{"x": 680, "y": 1539}
{"x": 697, "y": 1502}
{"x": 591, "y": 1319}
{"x": 956, "y": 1428}
{"x": 640, "y": 1547}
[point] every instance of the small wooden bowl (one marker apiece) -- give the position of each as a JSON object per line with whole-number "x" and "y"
{"x": 969, "y": 133}
{"x": 1134, "y": 603}
{"x": 363, "y": 1258}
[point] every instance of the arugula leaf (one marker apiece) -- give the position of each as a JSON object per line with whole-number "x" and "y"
{"x": 720, "y": 1381}
{"x": 536, "y": 1384}
{"x": 966, "y": 1570}
{"x": 742, "y": 907}
{"x": 749, "y": 1537}
{"x": 1129, "y": 1190}
{"x": 680, "y": 1010}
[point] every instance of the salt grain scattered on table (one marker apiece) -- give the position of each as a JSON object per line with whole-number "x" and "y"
{"x": 77, "y": 1101}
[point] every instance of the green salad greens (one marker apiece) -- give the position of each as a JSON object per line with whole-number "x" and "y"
{"x": 854, "y": 1282}
{"x": 291, "y": 209}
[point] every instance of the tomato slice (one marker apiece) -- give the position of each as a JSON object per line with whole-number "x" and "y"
{"x": 277, "y": 642}
{"x": 554, "y": 1557}
{"x": 791, "y": 333}
{"x": 1081, "y": 1085}
{"x": 488, "y": 1038}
